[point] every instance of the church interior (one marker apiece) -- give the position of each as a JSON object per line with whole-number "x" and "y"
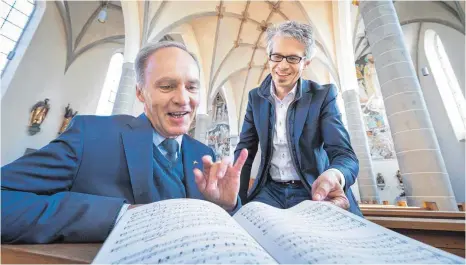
{"x": 65, "y": 58}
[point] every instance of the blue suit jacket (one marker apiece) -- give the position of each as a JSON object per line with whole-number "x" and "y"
{"x": 72, "y": 189}
{"x": 316, "y": 135}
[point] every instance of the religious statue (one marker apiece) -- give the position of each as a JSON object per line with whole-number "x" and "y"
{"x": 400, "y": 180}
{"x": 398, "y": 176}
{"x": 67, "y": 118}
{"x": 38, "y": 113}
{"x": 219, "y": 108}
{"x": 380, "y": 181}
{"x": 370, "y": 76}
{"x": 400, "y": 186}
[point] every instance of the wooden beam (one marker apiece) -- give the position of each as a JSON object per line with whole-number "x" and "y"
{"x": 49, "y": 253}
{"x": 419, "y": 223}
{"x": 452, "y": 242}
{"x": 409, "y": 213}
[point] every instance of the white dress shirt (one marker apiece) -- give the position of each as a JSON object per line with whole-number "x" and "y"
{"x": 282, "y": 168}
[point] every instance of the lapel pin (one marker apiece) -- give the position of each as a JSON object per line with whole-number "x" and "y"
{"x": 195, "y": 162}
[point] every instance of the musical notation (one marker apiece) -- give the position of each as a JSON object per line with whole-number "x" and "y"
{"x": 318, "y": 232}
{"x": 150, "y": 223}
{"x": 205, "y": 247}
{"x": 322, "y": 216}
{"x": 379, "y": 248}
{"x": 193, "y": 231}
{"x": 180, "y": 231}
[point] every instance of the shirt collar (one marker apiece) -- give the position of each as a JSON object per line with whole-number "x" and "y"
{"x": 292, "y": 92}
{"x": 157, "y": 139}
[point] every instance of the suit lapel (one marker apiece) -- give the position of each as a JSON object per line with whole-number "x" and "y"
{"x": 265, "y": 119}
{"x": 302, "y": 111}
{"x": 192, "y": 158}
{"x": 137, "y": 143}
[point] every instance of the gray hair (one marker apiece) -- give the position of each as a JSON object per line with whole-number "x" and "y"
{"x": 150, "y": 48}
{"x": 301, "y": 32}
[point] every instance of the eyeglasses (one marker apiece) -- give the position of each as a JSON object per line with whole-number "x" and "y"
{"x": 293, "y": 59}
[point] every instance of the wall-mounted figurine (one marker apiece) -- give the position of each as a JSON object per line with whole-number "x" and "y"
{"x": 380, "y": 181}
{"x": 67, "y": 118}
{"x": 398, "y": 176}
{"x": 38, "y": 113}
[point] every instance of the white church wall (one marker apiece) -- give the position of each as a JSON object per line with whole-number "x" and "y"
{"x": 41, "y": 75}
{"x": 84, "y": 79}
{"x": 388, "y": 168}
{"x": 138, "y": 107}
{"x": 36, "y": 77}
{"x": 452, "y": 150}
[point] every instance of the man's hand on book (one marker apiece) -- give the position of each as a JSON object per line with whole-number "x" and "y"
{"x": 327, "y": 187}
{"x": 219, "y": 183}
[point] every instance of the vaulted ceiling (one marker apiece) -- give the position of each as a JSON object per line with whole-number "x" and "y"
{"x": 228, "y": 36}
{"x": 82, "y": 29}
{"x": 447, "y": 13}
{"x": 231, "y": 38}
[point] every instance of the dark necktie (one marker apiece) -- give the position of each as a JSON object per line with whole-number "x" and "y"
{"x": 171, "y": 146}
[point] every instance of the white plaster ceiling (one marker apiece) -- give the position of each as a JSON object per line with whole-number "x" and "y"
{"x": 447, "y": 13}
{"x": 230, "y": 38}
{"x": 83, "y": 31}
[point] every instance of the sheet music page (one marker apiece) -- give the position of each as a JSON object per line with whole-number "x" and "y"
{"x": 319, "y": 232}
{"x": 180, "y": 231}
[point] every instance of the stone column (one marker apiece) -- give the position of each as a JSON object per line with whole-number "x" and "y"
{"x": 126, "y": 94}
{"x": 355, "y": 190}
{"x": 366, "y": 178}
{"x": 126, "y": 91}
{"x": 349, "y": 87}
{"x": 421, "y": 164}
{"x": 202, "y": 123}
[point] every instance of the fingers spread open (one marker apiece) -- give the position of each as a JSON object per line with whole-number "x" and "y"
{"x": 200, "y": 179}
{"x": 241, "y": 160}
{"x": 212, "y": 179}
{"x": 223, "y": 167}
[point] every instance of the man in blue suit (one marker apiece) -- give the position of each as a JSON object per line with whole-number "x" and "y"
{"x": 75, "y": 188}
{"x": 305, "y": 149}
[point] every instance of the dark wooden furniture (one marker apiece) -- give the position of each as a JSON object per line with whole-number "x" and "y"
{"x": 443, "y": 230}
{"x": 49, "y": 253}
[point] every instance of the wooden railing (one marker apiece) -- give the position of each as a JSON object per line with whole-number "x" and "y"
{"x": 441, "y": 229}
{"x": 49, "y": 253}
{"x": 430, "y": 206}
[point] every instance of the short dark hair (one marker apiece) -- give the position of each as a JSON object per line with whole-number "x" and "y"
{"x": 151, "y": 48}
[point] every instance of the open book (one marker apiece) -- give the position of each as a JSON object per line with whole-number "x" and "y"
{"x": 195, "y": 231}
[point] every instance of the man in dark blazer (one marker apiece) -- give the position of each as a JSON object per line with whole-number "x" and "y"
{"x": 305, "y": 149}
{"x": 75, "y": 188}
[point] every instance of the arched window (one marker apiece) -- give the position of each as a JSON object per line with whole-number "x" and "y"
{"x": 110, "y": 89}
{"x": 14, "y": 18}
{"x": 450, "y": 92}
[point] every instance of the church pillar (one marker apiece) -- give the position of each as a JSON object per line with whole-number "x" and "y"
{"x": 421, "y": 164}
{"x": 349, "y": 88}
{"x": 366, "y": 178}
{"x": 126, "y": 94}
{"x": 202, "y": 123}
{"x": 234, "y": 140}
{"x": 126, "y": 91}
